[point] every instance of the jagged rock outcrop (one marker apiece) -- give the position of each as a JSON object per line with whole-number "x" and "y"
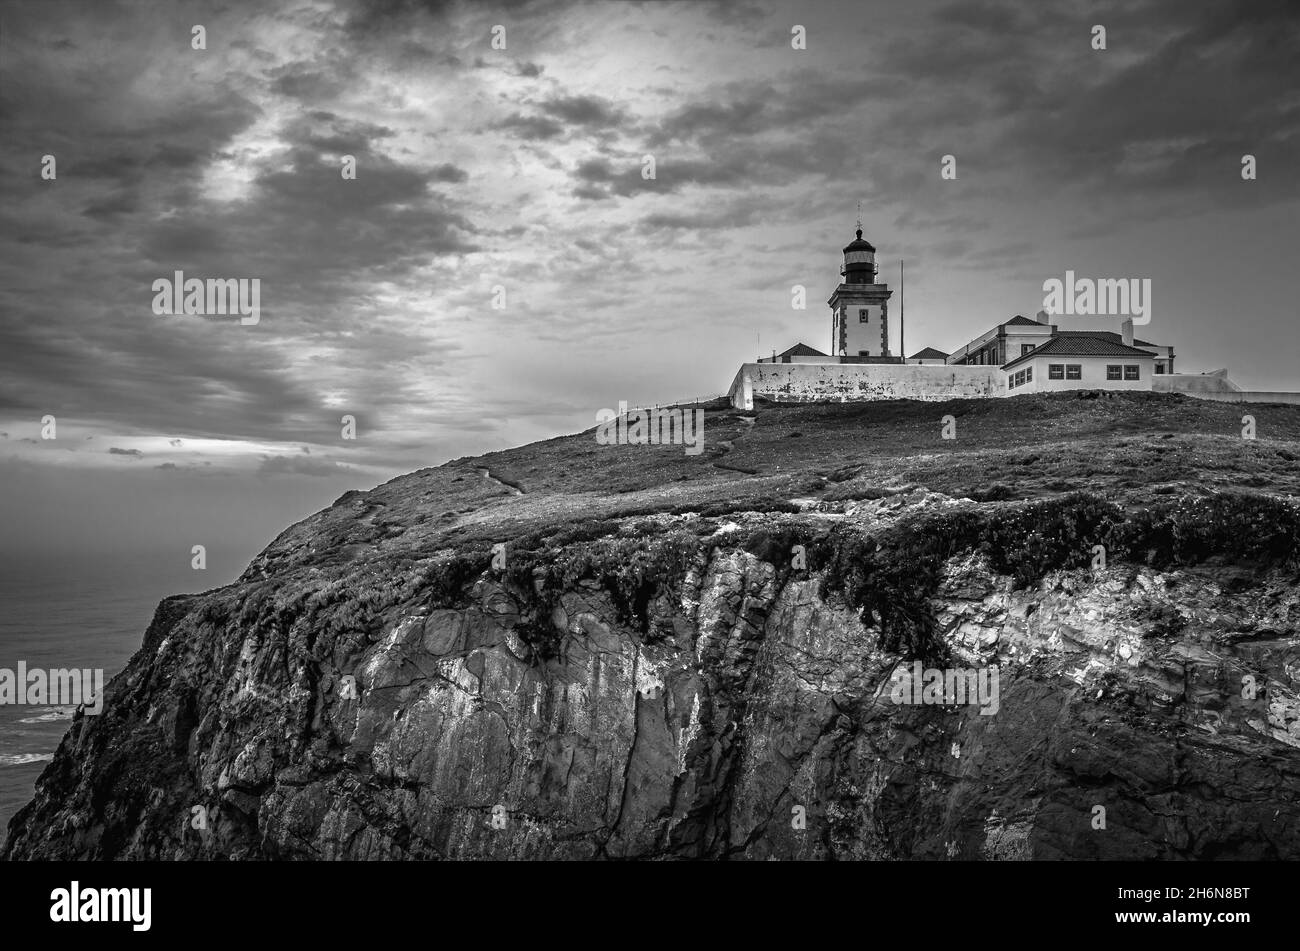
{"x": 511, "y": 725}
{"x": 710, "y": 686}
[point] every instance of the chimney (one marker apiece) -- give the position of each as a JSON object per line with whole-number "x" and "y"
{"x": 1127, "y": 331}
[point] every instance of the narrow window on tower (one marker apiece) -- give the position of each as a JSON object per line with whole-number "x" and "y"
{"x": 862, "y": 315}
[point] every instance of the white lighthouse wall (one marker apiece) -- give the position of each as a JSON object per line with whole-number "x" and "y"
{"x": 863, "y": 336}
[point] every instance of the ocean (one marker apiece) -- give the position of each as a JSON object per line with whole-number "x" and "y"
{"x": 83, "y": 611}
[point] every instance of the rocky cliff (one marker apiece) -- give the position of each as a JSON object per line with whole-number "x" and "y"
{"x": 581, "y": 651}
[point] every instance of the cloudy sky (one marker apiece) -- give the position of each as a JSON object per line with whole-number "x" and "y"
{"x": 521, "y": 168}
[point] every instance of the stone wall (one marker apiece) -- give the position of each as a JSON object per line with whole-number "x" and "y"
{"x": 844, "y": 383}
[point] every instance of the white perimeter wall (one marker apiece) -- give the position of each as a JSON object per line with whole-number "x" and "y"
{"x": 1194, "y": 383}
{"x": 1247, "y": 396}
{"x": 853, "y": 382}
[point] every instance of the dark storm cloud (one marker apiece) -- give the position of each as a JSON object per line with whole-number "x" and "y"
{"x": 448, "y": 173}
{"x": 559, "y": 116}
{"x": 591, "y": 193}
{"x": 298, "y": 231}
{"x": 134, "y": 453}
{"x": 589, "y": 111}
{"x": 380, "y": 17}
{"x": 769, "y": 109}
{"x": 1016, "y": 86}
{"x": 120, "y": 203}
{"x": 533, "y": 127}
{"x": 625, "y": 178}
{"x": 307, "y": 83}
{"x": 732, "y": 215}
{"x": 1190, "y": 127}
{"x": 1179, "y": 95}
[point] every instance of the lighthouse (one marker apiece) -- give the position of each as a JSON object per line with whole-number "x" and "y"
{"x": 860, "y": 306}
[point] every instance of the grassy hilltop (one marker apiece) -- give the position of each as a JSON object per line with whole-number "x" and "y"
{"x": 1130, "y": 447}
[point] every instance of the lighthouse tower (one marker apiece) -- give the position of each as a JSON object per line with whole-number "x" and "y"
{"x": 860, "y": 306}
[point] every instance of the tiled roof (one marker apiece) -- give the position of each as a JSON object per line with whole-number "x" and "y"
{"x": 1079, "y": 346}
{"x": 929, "y": 353}
{"x": 1106, "y": 334}
{"x": 802, "y": 350}
{"x": 1019, "y": 321}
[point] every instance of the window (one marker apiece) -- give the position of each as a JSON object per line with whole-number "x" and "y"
{"x": 1132, "y": 372}
{"x": 1029, "y": 374}
{"x": 1074, "y": 371}
{"x": 1026, "y": 347}
{"x": 1114, "y": 372}
{"x": 864, "y": 353}
{"x": 1056, "y": 371}
{"x": 862, "y": 315}
{"x": 1160, "y": 368}
{"x": 1020, "y": 379}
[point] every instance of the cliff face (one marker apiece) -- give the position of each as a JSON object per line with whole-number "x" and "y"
{"x": 686, "y": 684}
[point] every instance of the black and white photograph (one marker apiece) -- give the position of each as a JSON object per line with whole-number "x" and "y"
{"x": 524, "y": 436}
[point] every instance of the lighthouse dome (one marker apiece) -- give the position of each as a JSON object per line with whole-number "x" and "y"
{"x": 858, "y": 244}
{"x": 859, "y": 261}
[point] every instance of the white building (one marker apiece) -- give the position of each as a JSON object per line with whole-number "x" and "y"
{"x": 1079, "y": 362}
{"x": 1019, "y": 335}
